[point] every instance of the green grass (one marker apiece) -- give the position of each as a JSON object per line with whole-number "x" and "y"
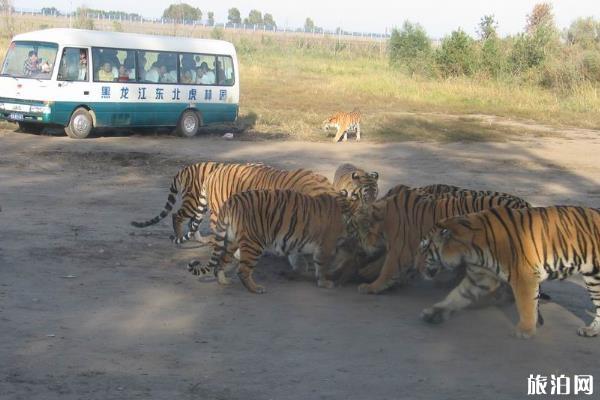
{"x": 290, "y": 83}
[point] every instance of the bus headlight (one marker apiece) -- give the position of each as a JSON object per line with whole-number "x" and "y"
{"x": 40, "y": 109}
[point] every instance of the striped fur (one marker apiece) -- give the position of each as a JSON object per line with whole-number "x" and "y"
{"x": 187, "y": 183}
{"x": 360, "y": 185}
{"x": 398, "y": 223}
{"x": 284, "y": 221}
{"x": 344, "y": 122}
{"x": 523, "y": 247}
{"x": 235, "y": 178}
{"x": 440, "y": 189}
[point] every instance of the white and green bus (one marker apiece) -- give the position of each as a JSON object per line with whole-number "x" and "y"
{"x": 81, "y": 80}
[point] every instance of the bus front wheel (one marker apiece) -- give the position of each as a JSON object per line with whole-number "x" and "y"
{"x": 80, "y": 124}
{"x": 188, "y": 124}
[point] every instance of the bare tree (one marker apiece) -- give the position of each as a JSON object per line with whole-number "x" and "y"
{"x": 541, "y": 16}
{"x": 6, "y": 7}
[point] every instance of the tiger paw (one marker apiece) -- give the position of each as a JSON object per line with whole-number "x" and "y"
{"x": 222, "y": 279}
{"x": 524, "y": 333}
{"x": 589, "y": 331}
{"x": 435, "y": 315}
{"x": 365, "y": 288}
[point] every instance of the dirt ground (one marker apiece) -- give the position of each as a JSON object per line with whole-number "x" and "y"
{"x": 92, "y": 308}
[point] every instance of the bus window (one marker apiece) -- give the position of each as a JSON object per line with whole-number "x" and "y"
{"x": 114, "y": 65}
{"x": 197, "y": 69}
{"x": 30, "y": 60}
{"x": 158, "y": 66}
{"x": 224, "y": 69}
{"x": 73, "y": 65}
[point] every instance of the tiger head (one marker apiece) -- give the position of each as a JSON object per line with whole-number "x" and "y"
{"x": 367, "y": 189}
{"x": 330, "y": 122}
{"x": 447, "y": 246}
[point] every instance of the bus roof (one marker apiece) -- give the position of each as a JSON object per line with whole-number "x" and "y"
{"x": 83, "y": 37}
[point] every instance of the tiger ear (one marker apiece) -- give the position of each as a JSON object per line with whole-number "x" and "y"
{"x": 374, "y": 175}
{"x": 445, "y": 233}
{"x": 355, "y": 175}
{"x": 343, "y": 193}
{"x": 354, "y": 196}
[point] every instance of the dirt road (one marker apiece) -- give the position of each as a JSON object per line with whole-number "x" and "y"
{"x": 92, "y": 308}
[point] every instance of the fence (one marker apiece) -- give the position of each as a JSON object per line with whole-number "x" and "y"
{"x": 135, "y": 18}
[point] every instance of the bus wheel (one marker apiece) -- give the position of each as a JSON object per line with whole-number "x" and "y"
{"x": 29, "y": 127}
{"x": 80, "y": 124}
{"x": 189, "y": 123}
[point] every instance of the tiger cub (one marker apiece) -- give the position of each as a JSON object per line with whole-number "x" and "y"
{"x": 523, "y": 247}
{"x": 399, "y": 222}
{"x": 343, "y": 122}
{"x": 360, "y": 185}
{"x": 284, "y": 221}
{"x": 234, "y": 178}
{"x": 187, "y": 183}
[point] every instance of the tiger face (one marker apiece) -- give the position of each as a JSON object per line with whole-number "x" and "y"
{"x": 366, "y": 184}
{"x": 442, "y": 250}
{"x": 331, "y": 122}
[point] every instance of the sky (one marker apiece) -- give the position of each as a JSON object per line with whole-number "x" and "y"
{"x": 439, "y": 18}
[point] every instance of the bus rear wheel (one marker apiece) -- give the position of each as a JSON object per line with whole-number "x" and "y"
{"x": 188, "y": 124}
{"x": 80, "y": 124}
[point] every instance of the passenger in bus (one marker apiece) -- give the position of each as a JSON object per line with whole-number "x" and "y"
{"x": 187, "y": 77}
{"x": 105, "y": 74}
{"x": 153, "y": 74}
{"x": 204, "y": 75}
{"x": 167, "y": 76}
{"x": 82, "y": 73}
{"x": 123, "y": 74}
{"x": 31, "y": 65}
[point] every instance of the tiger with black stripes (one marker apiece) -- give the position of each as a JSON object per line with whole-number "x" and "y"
{"x": 361, "y": 185}
{"x": 284, "y": 221}
{"x": 395, "y": 226}
{"x": 187, "y": 183}
{"x": 441, "y": 189}
{"x": 523, "y": 247}
{"x": 229, "y": 179}
{"x": 343, "y": 122}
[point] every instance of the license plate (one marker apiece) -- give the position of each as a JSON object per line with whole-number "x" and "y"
{"x": 15, "y": 116}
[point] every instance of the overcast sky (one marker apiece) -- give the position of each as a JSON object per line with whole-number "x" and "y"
{"x": 438, "y": 17}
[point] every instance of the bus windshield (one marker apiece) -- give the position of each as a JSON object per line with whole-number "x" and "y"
{"x": 30, "y": 60}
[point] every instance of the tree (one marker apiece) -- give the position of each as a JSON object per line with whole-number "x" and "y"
{"x": 457, "y": 54}
{"x": 211, "y": 18}
{"x": 487, "y": 27}
{"x": 234, "y": 16}
{"x": 584, "y": 32}
{"x": 269, "y": 21}
{"x": 82, "y": 19}
{"x": 7, "y": 9}
{"x": 182, "y": 12}
{"x": 309, "y": 25}
{"x": 541, "y": 16}
{"x": 254, "y": 18}
{"x": 408, "y": 43}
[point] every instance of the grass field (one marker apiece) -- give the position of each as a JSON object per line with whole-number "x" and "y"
{"x": 290, "y": 83}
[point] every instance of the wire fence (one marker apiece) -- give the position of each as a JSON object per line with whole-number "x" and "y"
{"x": 135, "y": 18}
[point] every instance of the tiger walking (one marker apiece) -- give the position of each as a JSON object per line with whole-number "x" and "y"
{"x": 523, "y": 247}
{"x": 343, "y": 122}
{"x": 285, "y": 221}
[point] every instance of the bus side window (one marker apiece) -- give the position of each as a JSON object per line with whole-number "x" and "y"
{"x": 224, "y": 69}
{"x": 74, "y": 65}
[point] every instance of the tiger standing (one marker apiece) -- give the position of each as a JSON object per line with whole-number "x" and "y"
{"x": 234, "y": 178}
{"x": 285, "y": 221}
{"x": 400, "y": 222}
{"x": 187, "y": 183}
{"x": 523, "y": 247}
{"x": 359, "y": 184}
{"x": 343, "y": 122}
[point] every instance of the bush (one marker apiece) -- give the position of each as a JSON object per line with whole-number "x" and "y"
{"x": 411, "y": 48}
{"x": 591, "y": 65}
{"x": 457, "y": 55}
{"x": 217, "y": 33}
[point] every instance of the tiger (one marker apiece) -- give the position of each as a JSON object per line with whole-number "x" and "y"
{"x": 398, "y": 223}
{"x": 353, "y": 262}
{"x": 343, "y": 122}
{"x": 523, "y": 247}
{"x": 188, "y": 183}
{"x": 285, "y": 221}
{"x": 233, "y": 178}
{"x": 357, "y": 182}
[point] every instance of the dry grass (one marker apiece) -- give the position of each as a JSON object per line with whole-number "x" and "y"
{"x": 289, "y": 84}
